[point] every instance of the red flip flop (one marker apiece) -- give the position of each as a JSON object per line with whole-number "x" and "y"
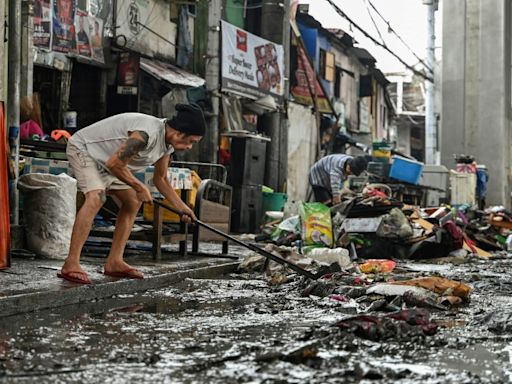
{"x": 67, "y": 276}
{"x": 130, "y": 273}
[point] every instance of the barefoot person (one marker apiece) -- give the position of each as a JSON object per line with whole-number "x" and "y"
{"x": 103, "y": 157}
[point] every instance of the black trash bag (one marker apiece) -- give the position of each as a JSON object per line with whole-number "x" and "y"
{"x": 439, "y": 245}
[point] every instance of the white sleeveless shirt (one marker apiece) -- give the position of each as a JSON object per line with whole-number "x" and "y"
{"x": 103, "y": 138}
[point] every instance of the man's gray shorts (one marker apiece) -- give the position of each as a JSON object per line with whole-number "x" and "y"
{"x": 89, "y": 173}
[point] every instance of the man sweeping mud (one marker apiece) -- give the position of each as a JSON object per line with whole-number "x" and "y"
{"x": 103, "y": 157}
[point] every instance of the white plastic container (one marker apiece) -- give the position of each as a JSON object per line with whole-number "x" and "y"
{"x": 435, "y": 176}
{"x": 69, "y": 118}
{"x": 462, "y": 188}
{"x": 328, "y": 255}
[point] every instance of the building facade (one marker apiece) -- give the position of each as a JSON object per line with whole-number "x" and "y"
{"x": 476, "y": 89}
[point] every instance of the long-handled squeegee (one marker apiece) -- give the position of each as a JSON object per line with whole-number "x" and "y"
{"x": 252, "y": 247}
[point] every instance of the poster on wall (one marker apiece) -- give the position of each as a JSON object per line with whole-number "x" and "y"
{"x": 128, "y": 73}
{"x": 42, "y": 36}
{"x": 83, "y": 42}
{"x": 63, "y": 25}
{"x": 251, "y": 66}
{"x": 306, "y": 83}
{"x": 96, "y": 28}
{"x": 103, "y": 10}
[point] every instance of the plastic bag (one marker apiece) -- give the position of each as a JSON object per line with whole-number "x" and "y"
{"x": 395, "y": 225}
{"x": 377, "y": 266}
{"x": 49, "y": 209}
{"x": 316, "y": 224}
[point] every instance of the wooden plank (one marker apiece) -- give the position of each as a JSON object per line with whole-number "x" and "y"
{"x": 206, "y": 235}
{"x": 501, "y": 224}
{"x": 212, "y": 212}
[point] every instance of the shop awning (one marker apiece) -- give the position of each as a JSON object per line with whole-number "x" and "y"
{"x": 170, "y": 73}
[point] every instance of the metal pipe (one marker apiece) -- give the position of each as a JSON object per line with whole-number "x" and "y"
{"x": 431, "y": 150}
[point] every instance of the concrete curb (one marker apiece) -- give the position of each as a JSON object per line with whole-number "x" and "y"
{"x": 30, "y": 302}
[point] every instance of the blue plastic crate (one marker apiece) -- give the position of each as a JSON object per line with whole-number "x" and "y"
{"x": 406, "y": 170}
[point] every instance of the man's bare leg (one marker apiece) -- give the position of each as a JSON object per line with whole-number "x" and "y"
{"x": 130, "y": 205}
{"x": 94, "y": 200}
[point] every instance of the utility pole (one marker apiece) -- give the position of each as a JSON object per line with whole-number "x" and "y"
{"x": 431, "y": 147}
{"x": 277, "y": 149}
{"x": 13, "y": 98}
{"x": 212, "y": 69}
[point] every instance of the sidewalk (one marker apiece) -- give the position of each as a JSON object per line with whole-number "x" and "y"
{"x": 31, "y": 284}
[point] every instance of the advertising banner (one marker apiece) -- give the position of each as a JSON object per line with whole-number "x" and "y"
{"x": 103, "y": 9}
{"x": 83, "y": 42}
{"x": 251, "y": 66}
{"x": 63, "y": 25}
{"x": 96, "y": 27}
{"x": 128, "y": 73}
{"x": 306, "y": 83}
{"x": 42, "y": 36}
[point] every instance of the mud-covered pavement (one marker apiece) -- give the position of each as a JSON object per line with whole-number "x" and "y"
{"x": 241, "y": 329}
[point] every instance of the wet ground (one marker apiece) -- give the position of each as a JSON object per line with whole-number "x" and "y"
{"x": 241, "y": 329}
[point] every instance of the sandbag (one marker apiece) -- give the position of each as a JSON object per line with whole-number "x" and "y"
{"x": 49, "y": 209}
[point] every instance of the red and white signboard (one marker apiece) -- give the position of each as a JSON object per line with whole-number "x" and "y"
{"x": 251, "y": 66}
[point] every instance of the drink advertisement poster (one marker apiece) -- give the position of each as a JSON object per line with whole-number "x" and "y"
{"x": 128, "y": 73}
{"x": 251, "y": 66}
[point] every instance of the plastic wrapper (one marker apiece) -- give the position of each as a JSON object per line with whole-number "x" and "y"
{"x": 316, "y": 224}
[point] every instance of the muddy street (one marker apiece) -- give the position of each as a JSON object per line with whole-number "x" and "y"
{"x": 242, "y": 329}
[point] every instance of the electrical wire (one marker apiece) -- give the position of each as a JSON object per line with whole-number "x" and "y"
{"x": 373, "y": 21}
{"x": 390, "y": 29}
{"x": 375, "y": 41}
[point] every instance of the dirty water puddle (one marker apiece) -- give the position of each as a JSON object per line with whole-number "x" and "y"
{"x": 243, "y": 330}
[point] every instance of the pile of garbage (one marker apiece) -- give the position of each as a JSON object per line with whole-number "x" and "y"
{"x": 364, "y": 241}
{"x": 371, "y": 224}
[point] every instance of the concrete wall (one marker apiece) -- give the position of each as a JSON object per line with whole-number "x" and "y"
{"x": 476, "y": 88}
{"x": 453, "y": 84}
{"x": 302, "y": 149}
{"x": 492, "y": 136}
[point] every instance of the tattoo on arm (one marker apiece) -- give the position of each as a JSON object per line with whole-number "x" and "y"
{"x": 132, "y": 146}
{"x": 144, "y": 136}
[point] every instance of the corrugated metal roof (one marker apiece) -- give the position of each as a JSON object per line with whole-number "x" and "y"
{"x": 363, "y": 55}
{"x": 170, "y": 73}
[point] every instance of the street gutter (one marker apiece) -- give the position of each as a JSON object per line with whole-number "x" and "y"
{"x": 30, "y": 302}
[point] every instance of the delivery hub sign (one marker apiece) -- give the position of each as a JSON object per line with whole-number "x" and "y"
{"x": 251, "y": 66}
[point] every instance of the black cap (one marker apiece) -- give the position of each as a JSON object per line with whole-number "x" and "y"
{"x": 189, "y": 119}
{"x": 357, "y": 165}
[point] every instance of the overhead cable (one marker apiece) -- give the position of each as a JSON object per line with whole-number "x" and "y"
{"x": 375, "y": 41}
{"x": 374, "y": 23}
{"x": 390, "y": 29}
